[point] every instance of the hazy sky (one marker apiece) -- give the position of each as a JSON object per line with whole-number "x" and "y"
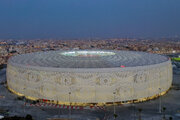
{"x": 89, "y": 18}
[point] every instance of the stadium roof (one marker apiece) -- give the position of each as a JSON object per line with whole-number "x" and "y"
{"x": 88, "y": 59}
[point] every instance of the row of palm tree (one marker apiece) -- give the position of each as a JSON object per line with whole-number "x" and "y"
{"x": 163, "y": 112}
{"x": 140, "y": 114}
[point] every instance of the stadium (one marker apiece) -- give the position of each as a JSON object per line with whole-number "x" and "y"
{"x": 89, "y": 76}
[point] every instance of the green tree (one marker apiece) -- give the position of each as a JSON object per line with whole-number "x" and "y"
{"x": 170, "y": 118}
{"x": 163, "y": 110}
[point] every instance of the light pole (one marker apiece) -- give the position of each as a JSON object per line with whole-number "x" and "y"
{"x": 160, "y": 100}
{"x": 58, "y": 107}
{"x": 134, "y": 111}
{"x": 24, "y": 100}
{"x": 114, "y": 103}
{"x": 133, "y": 96}
{"x": 114, "y": 106}
{"x": 57, "y": 102}
{"x": 70, "y": 105}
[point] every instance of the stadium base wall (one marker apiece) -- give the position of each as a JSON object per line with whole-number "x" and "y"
{"x": 90, "y": 85}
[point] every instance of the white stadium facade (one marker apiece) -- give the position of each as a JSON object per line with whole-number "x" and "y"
{"x": 89, "y": 77}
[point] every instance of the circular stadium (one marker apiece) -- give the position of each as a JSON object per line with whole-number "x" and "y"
{"x": 89, "y": 76}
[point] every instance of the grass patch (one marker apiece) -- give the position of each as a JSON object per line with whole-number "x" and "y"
{"x": 176, "y": 59}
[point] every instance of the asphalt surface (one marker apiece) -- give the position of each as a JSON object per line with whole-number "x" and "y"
{"x": 10, "y": 106}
